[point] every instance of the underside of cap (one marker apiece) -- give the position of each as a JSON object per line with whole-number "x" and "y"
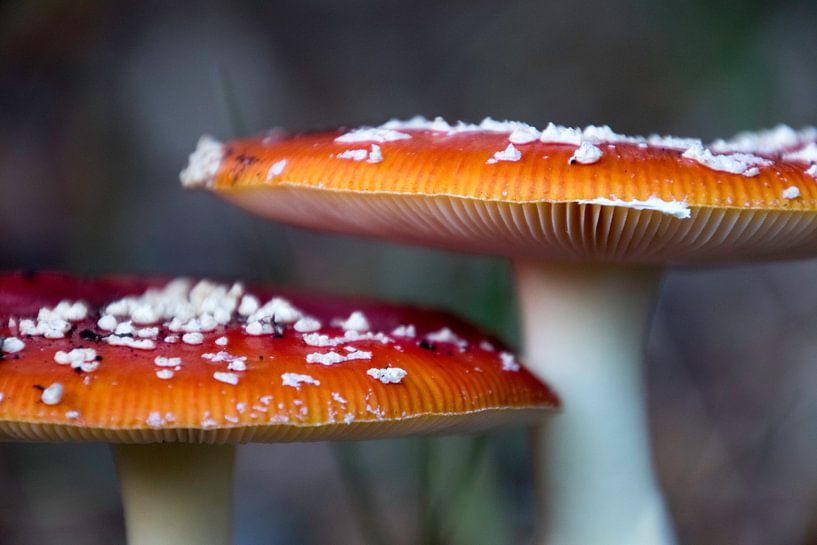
{"x": 567, "y": 194}
{"x": 307, "y": 368}
{"x": 549, "y": 231}
{"x": 425, "y": 424}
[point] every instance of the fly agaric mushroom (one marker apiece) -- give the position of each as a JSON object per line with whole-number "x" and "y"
{"x": 590, "y": 218}
{"x": 174, "y": 374}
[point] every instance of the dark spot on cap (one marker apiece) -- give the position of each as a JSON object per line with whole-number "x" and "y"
{"x": 88, "y": 335}
{"x": 246, "y": 159}
{"x": 426, "y": 345}
{"x": 40, "y": 388}
{"x": 277, "y": 329}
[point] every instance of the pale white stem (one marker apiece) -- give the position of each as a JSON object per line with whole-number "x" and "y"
{"x": 176, "y": 493}
{"x": 585, "y": 327}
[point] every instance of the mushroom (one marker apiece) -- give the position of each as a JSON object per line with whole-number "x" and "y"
{"x": 589, "y": 218}
{"x": 175, "y": 374}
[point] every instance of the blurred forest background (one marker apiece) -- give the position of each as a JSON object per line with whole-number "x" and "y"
{"x": 101, "y": 102}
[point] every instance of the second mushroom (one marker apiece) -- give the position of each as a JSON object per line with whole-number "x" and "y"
{"x": 175, "y": 373}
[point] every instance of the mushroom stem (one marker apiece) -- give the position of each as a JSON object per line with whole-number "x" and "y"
{"x": 176, "y": 493}
{"x": 584, "y": 328}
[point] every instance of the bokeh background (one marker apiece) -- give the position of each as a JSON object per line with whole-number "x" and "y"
{"x": 101, "y": 102}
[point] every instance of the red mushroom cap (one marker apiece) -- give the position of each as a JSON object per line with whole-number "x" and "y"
{"x": 507, "y": 188}
{"x": 233, "y": 386}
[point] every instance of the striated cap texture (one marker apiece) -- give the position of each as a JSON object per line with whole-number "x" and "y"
{"x": 141, "y": 360}
{"x": 558, "y": 193}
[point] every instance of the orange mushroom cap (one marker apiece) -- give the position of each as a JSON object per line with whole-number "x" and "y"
{"x": 449, "y": 380}
{"x": 507, "y": 188}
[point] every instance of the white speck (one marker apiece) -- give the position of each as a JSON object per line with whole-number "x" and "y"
{"x": 735, "y": 163}
{"x": 53, "y": 394}
{"x": 295, "y": 380}
{"x": 249, "y": 304}
{"x": 170, "y": 339}
{"x": 107, "y": 322}
{"x": 509, "y": 362}
{"x": 88, "y": 366}
{"x": 227, "y": 378}
{"x": 155, "y": 419}
{"x": 389, "y": 375}
{"x": 328, "y": 358}
{"x": 557, "y": 134}
{"x": 791, "y": 192}
{"x": 144, "y": 314}
{"x": 222, "y": 341}
{"x": 354, "y": 154}
{"x": 306, "y": 325}
{"x": 192, "y": 338}
{"x": 208, "y": 422}
{"x": 487, "y": 346}
{"x": 585, "y": 154}
{"x": 375, "y": 155}
{"x": 276, "y": 169}
{"x": 404, "y": 331}
{"x": 241, "y": 407}
{"x": 12, "y": 345}
{"x": 348, "y": 418}
{"x": 520, "y": 133}
{"x": 445, "y": 335}
{"x": 204, "y": 163}
{"x": 677, "y": 209}
{"x": 71, "y": 311}
{"x": 266, "y": 400}
{"x": 812, "y": 171}
{"x": 355, "y": 322}
{"x": 231, "y": 419}
{"x": 237, "y": 365}
{"x": 49, "y": 323}
{"x": 166, "y": 362}
{"x": 148, "y": 332}
{"x": 257, "y": 328}
{"x": 807, "y": 154}
{"x": 372, "y": 134}
{"x": 316, "y": 339}
{"x": 78, "y": 358}
{"x": 139, "y": 344}
{"x": 508, "y": 154}
{"x": 359, "y": 355}
{"x": 125, "y": 328}
{"x": 524, "y": 134}
{"x": 2, "y": 397}
{"x": 277, "y": 309}
{"x": 72, "y": 415}
{"x": 203, "y": 323}
{"x": 337, "y": 397}
{"x": 319, "y": 340}
{"x": 671, "y": 142}
{"x": 769, "y": 141}
{"x": 234, "y": 363}
{"x": 164, "y": 374}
